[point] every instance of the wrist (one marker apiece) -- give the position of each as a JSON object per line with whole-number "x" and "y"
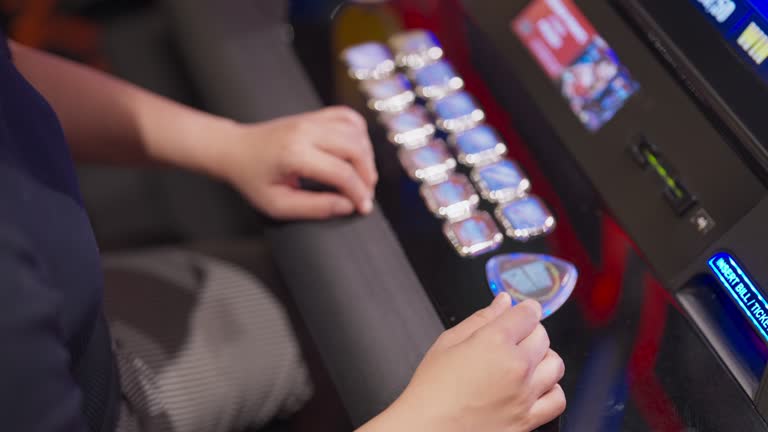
{"x": 214, "y": 147}
{"x": 411, "y": 415}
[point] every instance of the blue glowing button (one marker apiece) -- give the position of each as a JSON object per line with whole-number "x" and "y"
{"x": 474, "y": 235}
{"x": 415, "y": 49}
{"x": 370, "y": 60}
{"x": 436, "y": 80}
{"x": 457, "y": 112}
{"x": 744, "y": 292}
{"x": 543, "y": 278}
{"x": 432, "y": 163}
{"x": 392, "y": 94}
{"x": 501, "y": 182}
{"x": 478, "y": 146}
{"x": 525, "y": 218}
{"x": 410, "y": 128}
{"x": 452, "y": 199}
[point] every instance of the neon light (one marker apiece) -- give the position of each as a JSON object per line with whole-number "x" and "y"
{"x": 744, "y": 292}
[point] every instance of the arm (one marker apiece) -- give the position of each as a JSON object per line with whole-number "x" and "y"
{"x": 109, "y": 120}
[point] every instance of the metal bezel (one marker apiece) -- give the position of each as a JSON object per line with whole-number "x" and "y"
{"x": 431, "y": 174}
{"x": 482, "y": 158}
{"x": 456, "y": 211}
{"x": 381, "y": 70}
{"x": 418, "y": 59}
{"x": 528, "y": 233}
{"x": 413, "y": 138}
{"x": 394, "y": 103}
{"x": 478, "y": 248}
{"x": 436, "y": 91}
{"x": 502, "y": 195}
{"x": 461, "y": 123}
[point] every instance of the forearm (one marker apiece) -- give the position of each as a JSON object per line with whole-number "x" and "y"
{"x": 109, "y": 120}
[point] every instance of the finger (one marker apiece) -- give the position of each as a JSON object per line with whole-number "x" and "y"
{"x": 547, "y": 374}
{"x": 514, "y": 324}
{"x": 347, "y": 115}
{"x": 461, "y": 331}
{"x": 548, "y": 407}
{"x": 300, "y": 204}
{"x": 332, "y": 171}
{"x": 353, "y": 147}
{"x": 536, "y": 345}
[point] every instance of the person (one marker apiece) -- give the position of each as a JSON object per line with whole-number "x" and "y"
{"x": 68, "y": 368}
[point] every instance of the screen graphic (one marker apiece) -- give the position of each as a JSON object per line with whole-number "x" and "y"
{"x": 576, "y": 58}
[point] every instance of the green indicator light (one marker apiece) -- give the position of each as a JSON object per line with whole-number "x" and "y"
{"x": 662, "y": 172}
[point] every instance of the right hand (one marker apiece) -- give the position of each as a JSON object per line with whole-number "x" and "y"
{"x": 492, "y": 372}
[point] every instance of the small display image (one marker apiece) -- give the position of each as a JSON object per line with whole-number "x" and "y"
{"x": 416, "y": 48}
{"x": 596, "y": 84}
{"x": 431, "y": 163}
{"x": 525, "y": 218}
{"x": 587, "y": 71}
{"x": 452, "y": 199}
{"x": 410, "y": 128}
{"x": 436, "y": 80}
{"x": 391, "y": 94}
{"x": 457, "y": 112}
{"x": 370, "y": 60}
{"x": 501, "y": 182}
{"x": 479, "y": 146}
{"x": 543, "y": 278}
{"x": 475, "y": 235}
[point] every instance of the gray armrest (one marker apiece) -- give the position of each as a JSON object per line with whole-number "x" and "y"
{"x": 364, "y": 306}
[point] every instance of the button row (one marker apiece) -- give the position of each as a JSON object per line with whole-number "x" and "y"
{"x": 447, "y": 121}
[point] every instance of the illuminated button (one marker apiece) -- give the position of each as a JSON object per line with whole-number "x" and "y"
{"x": 478, "y": 146}
{"x": 436, "y": 80}
{"x": 415, "y": 49}
{"x": 525, "y": 218}
{"x": 410, "y": 128}
{"x": 370, "y": 60}
{"x": 543, "y": 278}
{"x": 475, "y": 235}
{"x": 501, "y": 182}
{"x": 431, "y": 163}
{"x": 392, "y": 94}
{"x": 457, "y": 112}
{"x": 452, "y": 199}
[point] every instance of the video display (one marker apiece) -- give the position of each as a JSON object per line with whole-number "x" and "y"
{"x": 744, "y": 24}
{"x": 576, "y": 58}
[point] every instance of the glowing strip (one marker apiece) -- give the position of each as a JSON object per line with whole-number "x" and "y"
{"x": 742, "y": 279}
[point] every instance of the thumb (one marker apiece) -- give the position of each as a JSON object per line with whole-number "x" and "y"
{"x": 476, "y": 321}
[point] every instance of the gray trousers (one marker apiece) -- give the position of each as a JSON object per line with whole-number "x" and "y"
{"x": 201, "y": 345}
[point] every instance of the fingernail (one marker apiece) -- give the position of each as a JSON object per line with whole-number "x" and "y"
{"x": 502, "y": 300}
{"x": 366, "y": 207}
{"x": 536, "y": 306}
{"x": 343, "y": 208}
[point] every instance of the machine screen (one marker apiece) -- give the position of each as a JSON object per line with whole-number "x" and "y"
{"x": 576, "y": 58}
{"x": 744, "y": 24}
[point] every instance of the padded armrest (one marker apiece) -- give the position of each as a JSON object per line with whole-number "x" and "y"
{"x": 361, "y": 300}
{"x": 363, "y": 304}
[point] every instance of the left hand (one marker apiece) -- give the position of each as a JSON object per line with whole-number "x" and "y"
{"x": 265, "y": 161}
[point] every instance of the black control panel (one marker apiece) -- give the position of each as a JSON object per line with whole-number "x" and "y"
{"x": 624, "y": 101}
{"x": 658, "y": 162}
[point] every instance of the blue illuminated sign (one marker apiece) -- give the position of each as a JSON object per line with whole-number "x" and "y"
{"x": 744, "y": 292}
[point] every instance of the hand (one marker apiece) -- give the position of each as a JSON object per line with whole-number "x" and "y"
{"x": 331, "y": 146}
{"x": 492, "y": 372}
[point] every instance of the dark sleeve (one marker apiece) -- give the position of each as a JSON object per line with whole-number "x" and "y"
{"x": 37, "y": 390}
